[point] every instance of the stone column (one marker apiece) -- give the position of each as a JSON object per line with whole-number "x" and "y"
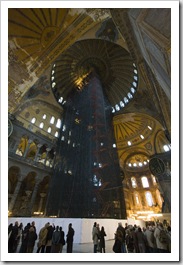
{"x": 14, "y": 196}
{"x": 47, "y": 150}
{"x": 27, "y": 148}
{"x": 42, "y": 195}
{"x": 33, "y": 197}
{"x": 37, "y": 153}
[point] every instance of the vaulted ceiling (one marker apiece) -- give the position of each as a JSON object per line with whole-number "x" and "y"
{"x": 75, "y": 39}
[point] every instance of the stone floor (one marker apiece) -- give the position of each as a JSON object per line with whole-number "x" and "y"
{"x": 82, "y": 248}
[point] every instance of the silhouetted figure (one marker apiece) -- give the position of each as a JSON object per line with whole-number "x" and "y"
{"x": 70, "y": 236}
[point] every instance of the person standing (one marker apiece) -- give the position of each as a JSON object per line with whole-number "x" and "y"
{"x": 62, "y": 239}
{"x": 33, "y": 225}
{"x": 129, "y": 241}
{"x": 121, "y": 236}
{"x": 102, "y": 240}
{"x": 12, "y": 243}
{"x": 49, "y": 238}
{"x": 70, "y": 237}
{"x": 55, "y": 241}
{"x": 25, "y": 233}
{"x": 162, "y": 247}
{"x": 42, "y": 238}
{"x": 142, "y": 241}
{"x": 95, "y": 235}
{"x": 151, "y": 242}
{"x": 31, "y": 238}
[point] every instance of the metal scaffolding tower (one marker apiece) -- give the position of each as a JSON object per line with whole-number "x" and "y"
{"x": 86, "y": 181}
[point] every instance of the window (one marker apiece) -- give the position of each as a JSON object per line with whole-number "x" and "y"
{"x": 52, "y": 120}
{"x": 33, "y": 120}
{"x": 132, "y": 90}
{"x": 60, "y": 100}
{"x": 149, "y": 198}
{"x": 166, "y": 148}
{"x": 117, "y": 107}
{"x": 130, "y": 95}
{"x": 53, "y": 84}
{"x": 121, "y": 104}
{"x": 134, "y": 84}
{"x": 126, "y": 100}
{"x": 134, "y": 183}
{"x": 145, "y": 182}
{"x": 49, "y": 130}
{"x": 58, "y": 124}
{"x": 41, "y": 125}
{"x": 56, "y": 134}
{"x": 44, "y": 116}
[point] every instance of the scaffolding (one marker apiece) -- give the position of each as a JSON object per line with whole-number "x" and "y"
{"x": 86, "y": 181}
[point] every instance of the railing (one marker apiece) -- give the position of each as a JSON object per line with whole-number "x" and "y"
{"x": 29, "y": 161}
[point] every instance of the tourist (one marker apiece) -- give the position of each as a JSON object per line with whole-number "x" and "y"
{"x": 70, "y": 237}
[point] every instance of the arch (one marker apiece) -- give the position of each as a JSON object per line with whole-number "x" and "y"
{"x": 13, "y": 175}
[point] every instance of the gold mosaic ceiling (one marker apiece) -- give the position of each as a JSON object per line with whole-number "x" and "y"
{"x": 36, "y": 39}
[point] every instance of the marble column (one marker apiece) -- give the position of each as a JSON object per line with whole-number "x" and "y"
{"x": 47, "y": 150}
{"x": 33, "y": 197}
{"x": 27, "y": 148}
{"x": 14, "y": 196}
{"x": 37, "y": 153}
{"x": 42, "y": 195}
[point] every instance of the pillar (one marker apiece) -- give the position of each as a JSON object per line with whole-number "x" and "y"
{"x": 86, "y": 179}
{"x": 33, "y": 197}
{"x": 42, "y": 195}
{"x": 27, "y": 148}
{"x": 37, "y": 153}
{"x": 15, "y": 194}
{"x": 47, "y": 151}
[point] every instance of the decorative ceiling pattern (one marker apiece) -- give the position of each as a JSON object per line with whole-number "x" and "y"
{"x": 116, "y": 70}
{"x": 38, "y": 38}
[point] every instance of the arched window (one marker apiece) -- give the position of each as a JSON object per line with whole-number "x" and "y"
{"x": 41, "y": 125}
{"x": 134, "y": 183}
{"x": 52, "y": 120}
{"x": 149, "y": 198}
{"x": 44, "y": 116}
{"x": 33, "y": 120}
{"x": 58, "y": 125}
{"x": 145, "y": 182}
{"x": 49, "y": 130}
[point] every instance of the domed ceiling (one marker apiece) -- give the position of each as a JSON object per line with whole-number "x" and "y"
{"x": 114, "y": 65}
{"x": 52, "y": 50}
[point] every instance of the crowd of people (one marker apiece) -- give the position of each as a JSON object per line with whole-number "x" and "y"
{"x": 51, "y": 239}
{"x": 154, "y": 238}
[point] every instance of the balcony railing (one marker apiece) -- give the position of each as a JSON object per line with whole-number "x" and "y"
{"x": 29, "y": 161}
